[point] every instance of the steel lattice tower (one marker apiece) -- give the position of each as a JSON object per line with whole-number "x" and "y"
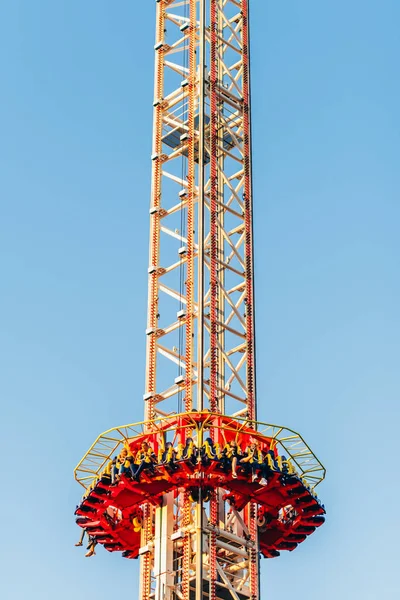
{"x": 202, "y": 201}
{"x": 200, "y": 353}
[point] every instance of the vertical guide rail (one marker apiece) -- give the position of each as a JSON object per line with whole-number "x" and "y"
{"x": 156, "y": 176}
{"x": 254, "y": 556}
{"x": 214, "y": 507}
{"x": 220, "y": 196}
{"x": 146, "y": 558}
{"x": 213, "y": 208}
{"x": 248, "y": 202}
{"x": 250, "y": 331}
{"x": 187, "y": 548}
{"x": 152, "y": 311}
{"x": 192, "y": 193}
{"x": 200, "y": 209}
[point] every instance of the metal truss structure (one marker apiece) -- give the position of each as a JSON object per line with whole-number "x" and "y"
{"x": 200, "y": 350}
{"x": 200, "y": 334}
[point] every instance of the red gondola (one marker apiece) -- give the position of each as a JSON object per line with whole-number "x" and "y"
{"x": 288, "y": 511}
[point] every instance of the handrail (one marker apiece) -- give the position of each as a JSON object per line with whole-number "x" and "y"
{"x": 288, "y": 441}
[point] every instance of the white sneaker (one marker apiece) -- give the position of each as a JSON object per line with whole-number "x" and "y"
{"x": 263, "y": 481}
{"x": 255, "y": 477}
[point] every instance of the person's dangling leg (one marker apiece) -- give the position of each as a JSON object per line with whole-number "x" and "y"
{"x": 263, "y": 468}
{"x": 139, "y": 470}
{"x": 80, "y": 543}
{"x": 123, "y": 470}
{"x": 133, "y": 469}
{"x": 171, "y": 464}
{"x": 149, "y": 467}
{"x": 234, "y": 466}
{"x": 224, "y": 463}
{"x": 91, "y": 547}
{"x": 114, "y": 474}
{"x": 254, "y": 475}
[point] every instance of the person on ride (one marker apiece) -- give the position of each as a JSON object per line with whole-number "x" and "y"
{"x": 144, "y": 459}
{"x": 287, "y": 514}
{"x": 208, "y": 451}
{"x": 113, "y": 515}
{"x": 252, "y": 460}
{"x": 117, "y": 463}
{"x": 190, "y": 451}
{"x": 168, "y": 456}
{"x": 80, "y": 543}
{"x": 127, "y": 466}
{"x": 269, "y": 464}
{"x": 91, "y": 547}
{"x": 92, "y": 543}
{"x": 230, "y": 456}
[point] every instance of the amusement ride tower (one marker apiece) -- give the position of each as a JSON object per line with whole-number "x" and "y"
{"x": 214, "y": 489}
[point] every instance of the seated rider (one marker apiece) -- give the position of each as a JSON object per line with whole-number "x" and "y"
{"x": 269, "y": 464}
{"x": 287, "y": 514}
{"x": 168, "y": 456}
{"x": 208, "y": 451}
{"x": 187, "y": 451}
{"x": 80, "y": 542}
{"x": 252, "y": 461}
{"x": 118, "y": 462}
{"x": 144, "y": 459}
{"x": 283, "y": 465}
{"x": 91, "y": 547}
{"x": 230, "y": 456}
{"x": 127, "y": 466}
{"x": 113, "y": 515}
{"x": 91, "y": 543}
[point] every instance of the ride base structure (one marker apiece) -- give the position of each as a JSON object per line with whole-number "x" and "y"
{"x": 198, "y": 525}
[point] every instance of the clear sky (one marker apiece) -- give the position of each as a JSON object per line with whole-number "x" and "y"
{"x": 75, "y": 143}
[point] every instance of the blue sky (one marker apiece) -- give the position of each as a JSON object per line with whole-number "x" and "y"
{"x": 75, "y": 129}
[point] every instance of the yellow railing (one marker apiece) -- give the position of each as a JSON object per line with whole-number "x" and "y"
{"x": 289, "y": 443}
